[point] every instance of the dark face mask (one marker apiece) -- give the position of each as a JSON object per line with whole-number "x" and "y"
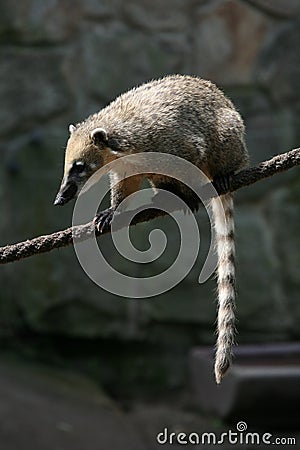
{"x": 70, "y": 186}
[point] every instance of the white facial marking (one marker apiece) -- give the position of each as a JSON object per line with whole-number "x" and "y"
{"x": 72, "y": 128}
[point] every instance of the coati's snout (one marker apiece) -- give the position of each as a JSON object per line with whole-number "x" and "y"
{"x": 84, "y": 155}
{"x": 67, "y": 191}
{"x": 72, "y": 183}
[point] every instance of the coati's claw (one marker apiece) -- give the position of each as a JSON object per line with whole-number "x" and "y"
{"x": 103, "y": 220}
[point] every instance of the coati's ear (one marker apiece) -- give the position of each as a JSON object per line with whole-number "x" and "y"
{"x": 72, "y": 128}
{"x": 99, "y": 136}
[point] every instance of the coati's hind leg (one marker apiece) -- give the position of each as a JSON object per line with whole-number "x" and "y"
{"x": 187, "y": 195}
{"x": 223, "y": 183}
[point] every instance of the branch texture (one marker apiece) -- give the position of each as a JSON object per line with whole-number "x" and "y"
{"x": 42, "y": 244}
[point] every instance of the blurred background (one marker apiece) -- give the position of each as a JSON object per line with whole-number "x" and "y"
{"x": 95, "y": 370}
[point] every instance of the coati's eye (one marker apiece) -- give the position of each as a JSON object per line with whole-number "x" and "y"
{"x": 78, "y": 168}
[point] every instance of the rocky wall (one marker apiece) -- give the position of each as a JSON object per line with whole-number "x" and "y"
{"x": 61, "y": 60}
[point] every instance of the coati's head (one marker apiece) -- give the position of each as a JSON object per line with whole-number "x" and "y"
{"x": 86, "y": 152}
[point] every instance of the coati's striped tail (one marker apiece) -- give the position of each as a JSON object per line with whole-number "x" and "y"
{"x": 223, "y": 209}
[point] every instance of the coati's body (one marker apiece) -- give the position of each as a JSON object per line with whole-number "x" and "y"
{"x": 179, "y": 115}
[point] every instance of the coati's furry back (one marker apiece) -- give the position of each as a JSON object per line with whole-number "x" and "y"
{"x": 182, "y": 115}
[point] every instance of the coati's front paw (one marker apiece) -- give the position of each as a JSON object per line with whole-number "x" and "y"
{"x": 103, "y": 220}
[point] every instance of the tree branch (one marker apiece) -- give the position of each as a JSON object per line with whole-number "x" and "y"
{"x": 42, "y": 244}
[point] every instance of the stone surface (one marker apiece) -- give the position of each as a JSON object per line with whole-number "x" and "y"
{"x": 56, "y": 410}
{"x": 257, "y": 373}
{"x": 62, "y": 60}
{"x": 228, "y": 37}
{"x": 104, "y": 10}
{"x": 175, "y": 306}
{"x": 283, "y": 215}
{"x": 269, "y": 130}
{"x": 32, "y": 21}
{"x": 258, "y": 276}
{"x": 281, "y": 8}
{"x": 59, "y": 302}
{"x": 177, "y": 420}
{"x": 278, "y": 68}
{"x": 32, "y": 95}
{"x": 157, "y": 16}
{"x": 119, "y": 58}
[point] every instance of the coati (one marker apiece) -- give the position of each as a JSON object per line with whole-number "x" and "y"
{"x": 179, "y": 115}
